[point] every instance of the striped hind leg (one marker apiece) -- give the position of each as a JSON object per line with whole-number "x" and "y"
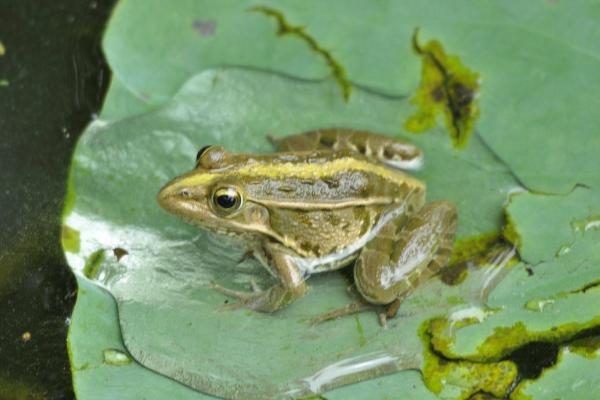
{"x": 403, "y": 255}
{"x": 382, "y": 148}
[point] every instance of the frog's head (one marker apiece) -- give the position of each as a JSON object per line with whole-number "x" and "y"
{"x": 213, "y": 196}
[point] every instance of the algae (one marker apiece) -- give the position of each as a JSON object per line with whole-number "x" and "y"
{"x": 447, "y": 88}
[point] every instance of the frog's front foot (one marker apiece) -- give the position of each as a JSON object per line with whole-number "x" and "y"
{"x": 245, "y": 298}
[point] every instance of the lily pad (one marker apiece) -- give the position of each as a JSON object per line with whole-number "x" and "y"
{"x": 557, "y": 222}
{"x": 551, "y": 301}
{"x": 537, "y": 67}
{"x": 91, "y": 336}
{"x": 170, "y": 316}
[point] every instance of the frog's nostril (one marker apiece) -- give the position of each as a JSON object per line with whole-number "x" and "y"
{"x": 185, "y": 193}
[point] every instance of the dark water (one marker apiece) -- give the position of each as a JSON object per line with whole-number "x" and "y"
{"x": 52, "y": 80}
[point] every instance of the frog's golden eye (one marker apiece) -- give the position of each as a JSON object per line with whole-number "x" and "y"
{"x": 202, "y": 151}
{"x": 226, "y": 200}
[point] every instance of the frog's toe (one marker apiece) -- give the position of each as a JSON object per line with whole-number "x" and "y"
{"x": 243, "y": 296}
{"x": 348, "y": 309}
{"x": 232, "y": 306}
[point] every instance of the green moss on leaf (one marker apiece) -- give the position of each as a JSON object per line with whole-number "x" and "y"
{"x": 91, "y": 269}
{"x": 441, "y": 374}
{"x": 447, "y": 88}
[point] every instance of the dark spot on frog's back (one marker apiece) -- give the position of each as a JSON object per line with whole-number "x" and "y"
{"x": 286, "y": 188}
{"x": 361, "y": 147}
{"x": 331, "y": 183}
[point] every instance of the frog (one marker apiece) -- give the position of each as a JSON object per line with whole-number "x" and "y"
{"x": 325, "y": 200}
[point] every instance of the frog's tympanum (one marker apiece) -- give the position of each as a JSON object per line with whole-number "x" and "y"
{"x": 328, "y": 198}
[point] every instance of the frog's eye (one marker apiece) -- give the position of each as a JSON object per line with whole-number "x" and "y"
{"x": 202, "y": 151}
{"x": 227, "y": 200}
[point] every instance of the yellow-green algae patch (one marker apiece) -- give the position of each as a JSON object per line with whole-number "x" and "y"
{"x": 478, "y": 250}
{"x": 469, "y": 248}
{"x": 115, "y": 357}
{"x": 91, "y": 269}
{"x": 504, "y": 340}
{"x": 70, "y": 239}
{"x": 470, "y": 378}
{"x": 586, "y": 347}
{"x": 284, "y": 28}
{"x": 448, "y": 88}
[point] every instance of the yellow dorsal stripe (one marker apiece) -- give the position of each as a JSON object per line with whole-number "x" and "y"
{"x": 304, "y": 171}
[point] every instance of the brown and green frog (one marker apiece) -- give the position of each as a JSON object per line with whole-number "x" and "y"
{"x": 325, "y": 200}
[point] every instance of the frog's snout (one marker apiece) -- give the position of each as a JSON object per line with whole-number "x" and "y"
{"x": 171, "y": 196}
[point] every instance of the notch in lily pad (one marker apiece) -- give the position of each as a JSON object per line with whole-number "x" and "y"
{"x": 448, "y": 88}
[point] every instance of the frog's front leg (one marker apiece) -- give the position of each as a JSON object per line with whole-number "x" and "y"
{"x": 401, "y": 256}
{"x": 291, "y": 285}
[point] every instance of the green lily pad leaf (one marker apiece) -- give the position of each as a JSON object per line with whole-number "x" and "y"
{"x": 551, "y": 301}
{"x": 121, "y": 102}
{"x": 94, "y": 335}
{"x": 406, "y": 383}
{"x": 170, "y": 316}
{"x": 521, "y": 112}
{"x": 573, "y": 377}
{"x": 557, "y": 221}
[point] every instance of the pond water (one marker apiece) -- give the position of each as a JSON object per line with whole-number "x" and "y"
{"x": 53, "y": 78}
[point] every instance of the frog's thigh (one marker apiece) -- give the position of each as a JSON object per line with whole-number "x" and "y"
{"x": 400, "y": 257}
{"x": 378, "y": 147}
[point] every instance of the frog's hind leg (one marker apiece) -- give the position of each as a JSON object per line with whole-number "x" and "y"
{"x": 403, "y": 255}
{"x": 382, "y": 148}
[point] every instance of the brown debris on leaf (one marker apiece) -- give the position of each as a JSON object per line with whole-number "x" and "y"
{"x": 120, "y": 253}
